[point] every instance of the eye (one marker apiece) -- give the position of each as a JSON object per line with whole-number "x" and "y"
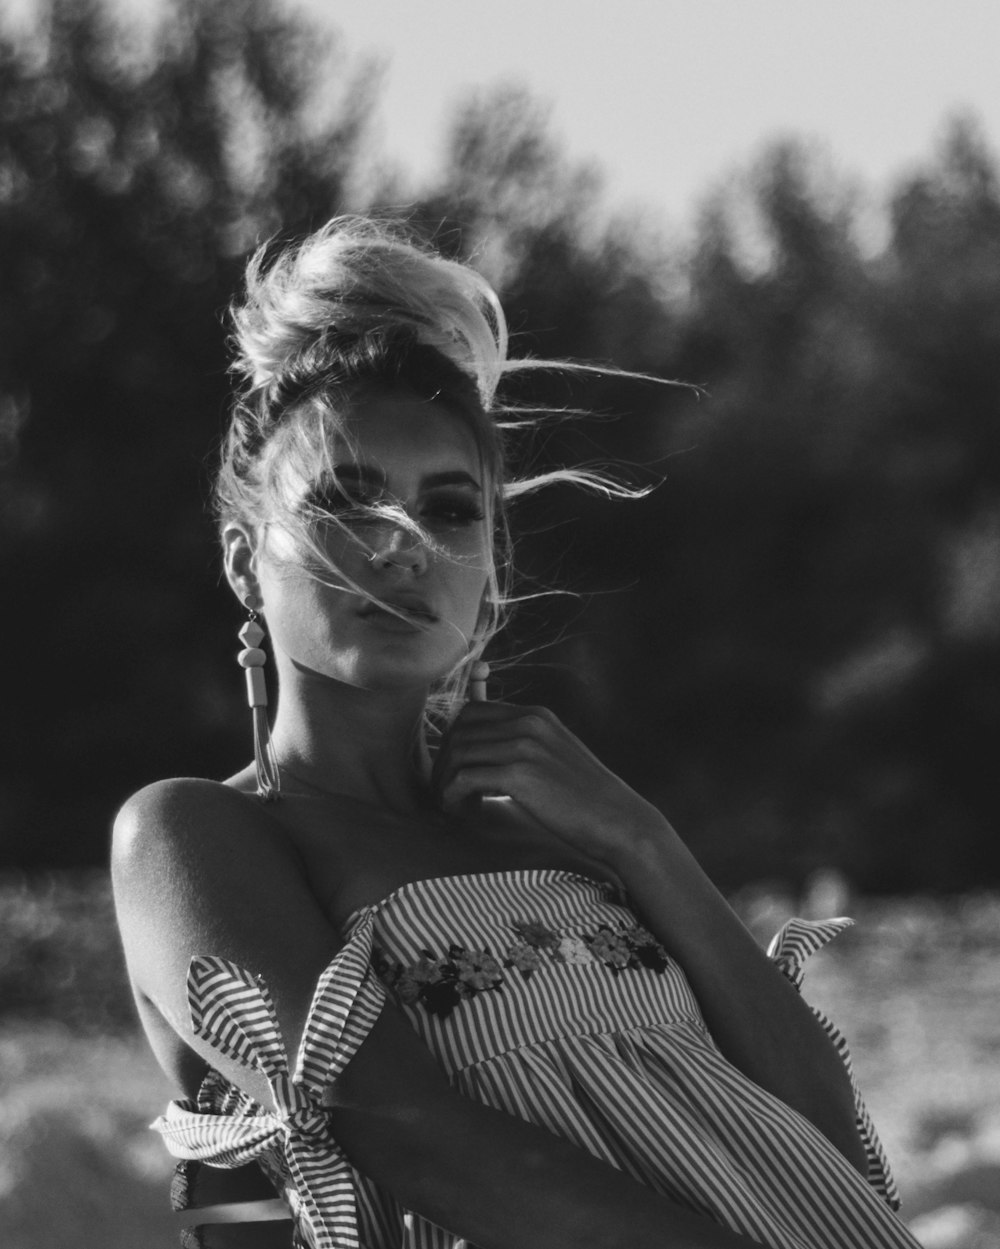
{"x": 452, "y": 511}
{"x": 348, "y": 501}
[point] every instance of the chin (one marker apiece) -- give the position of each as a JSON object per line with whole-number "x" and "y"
{"x": 402, "y": 679}
{"x": 387, "y": 676}
{"x": 383, "y": 670}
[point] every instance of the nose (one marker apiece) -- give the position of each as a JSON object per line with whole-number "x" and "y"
{"x": 398, "y": 548}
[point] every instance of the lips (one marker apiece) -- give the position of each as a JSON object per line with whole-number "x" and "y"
{"x": 414, "y": 609}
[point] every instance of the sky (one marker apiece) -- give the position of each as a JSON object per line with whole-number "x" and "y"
{"x": 670, "y": 96}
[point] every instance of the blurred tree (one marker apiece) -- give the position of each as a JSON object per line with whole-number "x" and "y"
{"x": 736, "y": 607}
{"x": 576, "y": 281}
{"x": 840, "y": 556}
{"x": 793, "y": 645}
{"x": 135, "y": 169}
{"x": 926, "y": 790}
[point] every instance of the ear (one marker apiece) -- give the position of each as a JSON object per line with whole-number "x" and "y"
{"x": 240, "y": 557}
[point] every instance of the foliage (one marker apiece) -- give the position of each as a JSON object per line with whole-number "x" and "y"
{"x": 60, "y": 956}
{"x": 132, "y": 179}
{"x": 792, "y": 645}
{"x": 847, "y": 489}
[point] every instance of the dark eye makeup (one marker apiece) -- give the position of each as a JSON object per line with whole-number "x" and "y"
{"x": 343, "y": 499}
{"x": 447, "y": 501}
{"x": 452, "y": 509}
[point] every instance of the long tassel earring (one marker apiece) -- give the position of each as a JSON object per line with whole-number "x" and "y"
{"x": 252, "y": 659}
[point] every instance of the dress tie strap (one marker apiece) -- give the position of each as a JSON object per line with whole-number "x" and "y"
{"x": 797, "y": 939}
{"x": 232, "y": 1010}
{"x": 790, "y": 947}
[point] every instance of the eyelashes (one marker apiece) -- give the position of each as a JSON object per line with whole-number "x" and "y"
{"x": 339, "y": 502}
{"x": 439, "y": 510}
{"x": 454, "y": 512}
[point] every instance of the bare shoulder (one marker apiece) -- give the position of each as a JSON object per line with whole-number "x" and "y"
{"x": 199, "y": 867}
{"x": 187, "y": 804}
{"x": 189, "y": 820}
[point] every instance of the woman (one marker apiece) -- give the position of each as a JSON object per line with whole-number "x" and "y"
{"x": 523, "y": 1016}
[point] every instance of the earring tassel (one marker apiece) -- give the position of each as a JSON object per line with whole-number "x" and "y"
{"x": 252, "y": 659}
{"x": 268, "y": 780}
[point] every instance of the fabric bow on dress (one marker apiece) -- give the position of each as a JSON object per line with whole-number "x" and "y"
{"x": 789, "y": 949}
{"x": 231, "y": 1009}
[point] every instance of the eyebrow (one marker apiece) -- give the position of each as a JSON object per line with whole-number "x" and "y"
{"x": 457, "y": 478}
{"x": 368, "y": 473}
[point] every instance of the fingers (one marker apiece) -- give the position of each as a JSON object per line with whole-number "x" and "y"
{"x": 478, "y": 677}
{"x": 502, "y": 757}
{"x": 494, "y": 732}
{"x": 497, "y": 748}
{"x": 477, "y": 711}
{"x": 481, "y": 769}
{"x": 481, "y": 717}
{"x": 471, "y": 783}
{"x": 526, "y": 754}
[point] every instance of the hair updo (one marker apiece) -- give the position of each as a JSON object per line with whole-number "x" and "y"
{"x": 355, "y": 307}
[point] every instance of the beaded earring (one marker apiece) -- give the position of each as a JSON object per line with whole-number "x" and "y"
{"x": 252, "y": 660}
{"x": 479, "y": 674}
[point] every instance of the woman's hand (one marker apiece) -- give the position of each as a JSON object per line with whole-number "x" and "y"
{"x": 527, "y": 754}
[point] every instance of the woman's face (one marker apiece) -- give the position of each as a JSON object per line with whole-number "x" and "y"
{"x": 420, "y": 457}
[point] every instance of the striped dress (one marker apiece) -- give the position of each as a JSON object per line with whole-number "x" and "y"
{"x": 540, "y": 995}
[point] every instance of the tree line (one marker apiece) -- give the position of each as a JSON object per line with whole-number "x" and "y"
{"x": 791, "y": 645}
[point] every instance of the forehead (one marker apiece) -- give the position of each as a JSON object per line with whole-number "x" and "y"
{"x": 400, "y": 433}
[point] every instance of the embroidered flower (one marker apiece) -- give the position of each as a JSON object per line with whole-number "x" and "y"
{"x": 427, "y": 970}
{"x": 524, "y": 957}
{"x": 441, "y": 983}
{"x": 536, "y": 934}
{"x": 610, "y": 948}
{"x": 647, "y": 950}
{"x": 407, "y": 986}
{"x": 573, "y": 950}
{"x": 442, "y": 998}
{"x": 477, "y": 969}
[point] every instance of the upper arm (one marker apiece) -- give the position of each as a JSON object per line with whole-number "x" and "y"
{"x": 198, "y": 869}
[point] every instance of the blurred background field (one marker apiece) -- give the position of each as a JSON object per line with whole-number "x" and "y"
{"x": 78, "y": 1088}
{"x": 914, "y": 987}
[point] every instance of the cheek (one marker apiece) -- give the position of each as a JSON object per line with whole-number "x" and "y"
{"x": 292, "y": 604}
{"x": 477, "y": 592}
{"x": 463, "y": 587}
{"x": 318, "y": 552}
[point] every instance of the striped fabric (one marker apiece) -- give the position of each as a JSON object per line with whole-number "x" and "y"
{"x": 541, "y": 996}
{"x": 232, "y": 1010}
{"x": 789, "y": 949}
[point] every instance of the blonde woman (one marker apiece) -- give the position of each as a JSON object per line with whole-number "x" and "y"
{"x": 426, "y": 968}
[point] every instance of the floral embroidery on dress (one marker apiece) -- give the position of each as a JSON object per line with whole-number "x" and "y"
{"x": 617, "y": 949}
{"x": 439, "y": 984}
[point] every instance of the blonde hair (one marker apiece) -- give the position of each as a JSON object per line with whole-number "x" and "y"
{"x": 356, "y": 306}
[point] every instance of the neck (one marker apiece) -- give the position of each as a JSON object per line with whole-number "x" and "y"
{"x": 368, "y": 744}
